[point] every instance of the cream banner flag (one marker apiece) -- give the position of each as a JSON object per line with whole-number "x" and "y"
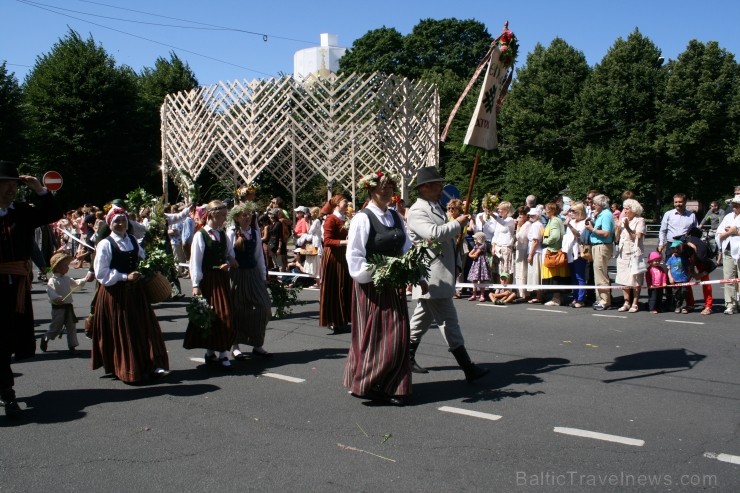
{"x": 482, "y": 129}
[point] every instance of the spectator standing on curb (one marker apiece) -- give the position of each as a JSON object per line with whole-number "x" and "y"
{"x": 728, "y": 240}
{"x": 601, "y": 237}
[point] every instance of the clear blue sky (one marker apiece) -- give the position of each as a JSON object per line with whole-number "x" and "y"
{"x": 29, "y": 28}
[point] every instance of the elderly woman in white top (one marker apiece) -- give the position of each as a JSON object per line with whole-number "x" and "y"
{"x": 630, "y": 230}
{"x": 728, "y": 240}
{"x": 503, "y": 238}
{"x": 534, "y": 253}
{"x": 312, "y": 264}
{"x": 575, "y": 224}
{"x": 521, "y": 247}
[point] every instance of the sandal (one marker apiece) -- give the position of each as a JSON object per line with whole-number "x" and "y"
{"x": 473, "y": 298}
{"x": 634, "y": 309}
{"x": 533, "y": 301}
{"x": 577, "y": 304}
{"x": 684, "y": 310}
{"x": 706, "y": 311}
{"x": 624, "y": 307}
{"x": 482, "y": 299}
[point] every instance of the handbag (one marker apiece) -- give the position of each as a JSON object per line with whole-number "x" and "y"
{"x": 585, "y": 252}
{"x": 637, "y": 265}
{"x": 553, "y": 260}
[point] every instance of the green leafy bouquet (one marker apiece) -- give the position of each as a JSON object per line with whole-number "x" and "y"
{"x": 201, "y": 314}
{"x": 409, "y": 268}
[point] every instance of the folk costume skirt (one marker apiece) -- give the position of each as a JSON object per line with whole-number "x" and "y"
{"x": 335, "y": 302}
{"x": 251, "y": 305}
{"x": 378, "y": 357}
{"x": 216, "y": 288}
{"x": 126, "y": 337}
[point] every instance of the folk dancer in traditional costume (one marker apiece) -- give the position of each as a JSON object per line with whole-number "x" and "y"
{"x": 126, "y": 338}
{"x": 18, "y": 221}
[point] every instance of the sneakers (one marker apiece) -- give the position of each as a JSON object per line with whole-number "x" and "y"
{"x": 730, "y": 310}
{"x": 600, "y": 306}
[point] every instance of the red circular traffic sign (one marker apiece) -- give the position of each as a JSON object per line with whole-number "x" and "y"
{"x": 53, "y": 180}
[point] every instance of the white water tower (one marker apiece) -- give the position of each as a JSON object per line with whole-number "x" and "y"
{"x": 322, "y": 59}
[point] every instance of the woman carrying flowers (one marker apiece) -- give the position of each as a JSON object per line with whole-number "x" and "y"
{"x": 378, "y": 363}
{"x": 249, "y": 296}
{"x": 210, "y": 258}
{"x": 126, "y": 337}
{"x": 336, "y": 283}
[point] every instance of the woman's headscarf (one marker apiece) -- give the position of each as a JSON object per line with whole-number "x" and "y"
{"x": 115, "y": 212}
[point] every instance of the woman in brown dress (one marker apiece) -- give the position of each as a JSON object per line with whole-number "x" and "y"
{"x": 378, "y": 362}
{"x": 210, "y": 258}
{"x": 126, "y": 337}
{"x": 336, "y": 284}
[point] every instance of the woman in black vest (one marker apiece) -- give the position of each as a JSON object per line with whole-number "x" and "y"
{"x": 210, "y": 258}
{"x": 378, "y": 363}
{"x": 249, "y": 297}
{"x": 126, "y": 337}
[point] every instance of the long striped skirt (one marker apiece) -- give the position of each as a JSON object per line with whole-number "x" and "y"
{"x": 216, "y": 288}
{"x": 251, "y": 304}
{"x": 126, "y": 337}
{"x": 335, "y": 302}
{"x": 378, "y": 357}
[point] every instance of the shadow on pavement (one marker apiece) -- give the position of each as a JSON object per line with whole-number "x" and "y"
{"x": 492, "y": 387}
{"x": 59, "y": 406}
{"x": 665, "y": 360}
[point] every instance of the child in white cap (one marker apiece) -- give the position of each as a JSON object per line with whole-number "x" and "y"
{"x": 60, "y": 288}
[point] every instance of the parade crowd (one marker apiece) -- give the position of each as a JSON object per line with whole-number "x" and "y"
{"x": 556, "y": 254}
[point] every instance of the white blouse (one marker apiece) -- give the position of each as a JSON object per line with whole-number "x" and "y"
{"x": 359, "y": 230}
{"x": 197, "y": 249}
{"x": 104, "y": 254}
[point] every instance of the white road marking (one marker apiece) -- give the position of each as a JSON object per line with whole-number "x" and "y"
{"x": 732, "y": 459}
{"x": 684, "y": 322}
{"x": 599, "y": 436}
{"x": 284, "y": 377}
{"x": 492, "y": 305}
{"x": 609, "y": 316}
{"x": 548, "y": 310}
{"x": 467, "y": 412}
{"x": 198, "y": 360}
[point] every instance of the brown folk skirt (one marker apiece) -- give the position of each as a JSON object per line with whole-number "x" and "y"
{"x": 335, "y": 302}
{"x": 251, "y": 305}
{"x": 126, "y": 337}
{"x": 378, "y": 357}
{"x": 215, "y": 287}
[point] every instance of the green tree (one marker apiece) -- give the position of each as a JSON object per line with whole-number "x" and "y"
{"x": 618, "y": 109}
{"x": 11, "y": 117}
{"x": 379, "y": 50}
{"x": 83, "y": 121}
{"x": 540, "y": 110}
{"x": 699, "y": 132}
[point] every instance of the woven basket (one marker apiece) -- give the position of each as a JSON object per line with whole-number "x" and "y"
{"x": 157, "y": 288}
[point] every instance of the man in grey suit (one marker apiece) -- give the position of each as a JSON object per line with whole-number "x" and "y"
{"x": 427, "y": 220}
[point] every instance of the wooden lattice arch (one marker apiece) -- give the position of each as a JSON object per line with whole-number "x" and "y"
{"x": 341, "y": 127}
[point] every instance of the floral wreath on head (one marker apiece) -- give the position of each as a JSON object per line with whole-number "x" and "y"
{"x": 246, "y": 190}
{"x": 377, "y": 177}
{"x": 247, "y": 207}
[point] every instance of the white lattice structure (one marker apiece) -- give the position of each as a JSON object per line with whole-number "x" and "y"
{"x": 341, "y": 127}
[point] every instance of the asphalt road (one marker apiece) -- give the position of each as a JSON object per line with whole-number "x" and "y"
{"x": 576, "y": 400}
